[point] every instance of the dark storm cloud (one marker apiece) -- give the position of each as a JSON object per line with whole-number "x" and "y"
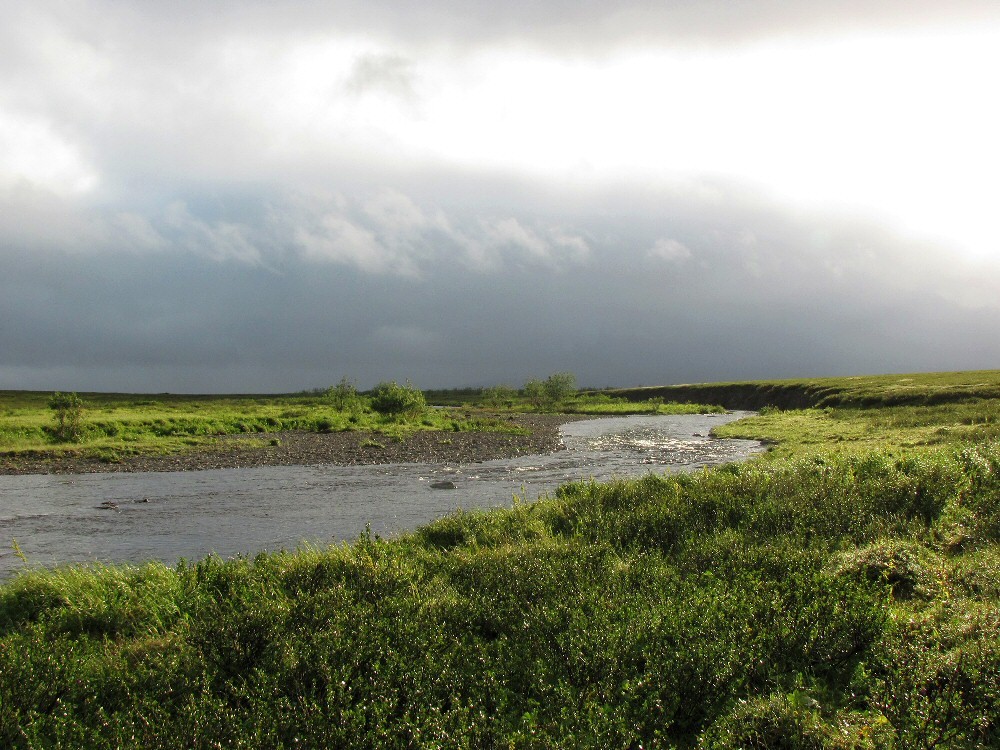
{"x": 596, "y": 284}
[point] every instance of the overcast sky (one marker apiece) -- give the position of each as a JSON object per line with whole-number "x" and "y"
{"x": 262, "y": 196}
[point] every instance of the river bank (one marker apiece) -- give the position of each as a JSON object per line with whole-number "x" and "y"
{"x": 300, "y": 448}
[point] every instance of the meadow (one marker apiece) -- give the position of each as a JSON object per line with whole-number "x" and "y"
{"x": 840, "y": 591}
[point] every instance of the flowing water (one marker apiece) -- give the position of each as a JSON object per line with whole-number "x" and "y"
{"x": 166, "y": 516}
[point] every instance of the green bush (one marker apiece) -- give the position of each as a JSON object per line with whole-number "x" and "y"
{"x": 499, "y": 396}
{"x": 392, "y": 399}
{"x": 68, "y": 408}
{"x": 344, "y": 396}
{"x": 550, "y": 392}
{"x": 937, "y": 679}
{"x": 779, "y": 722}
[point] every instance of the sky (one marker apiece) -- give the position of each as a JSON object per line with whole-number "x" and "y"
{"x": 268, "y": 196}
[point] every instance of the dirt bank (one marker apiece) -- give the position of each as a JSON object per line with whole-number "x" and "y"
{"x": 339, "y": 448}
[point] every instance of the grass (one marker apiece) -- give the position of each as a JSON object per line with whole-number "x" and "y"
{"x": 601, "y": 404}
{"x": 897, "y": 429}
{"x": 921, "y": 389}
{"x": 597, "y": 403}
{"x": 840, "y": 592}
{"x": 121, "y": 425}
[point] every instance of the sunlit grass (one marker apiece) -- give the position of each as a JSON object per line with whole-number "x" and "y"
{"x": 918, "y": 389}
{"x": 114, "y": 426}
{"x": 598, "y": 404}
{"x": 852, "y": 429}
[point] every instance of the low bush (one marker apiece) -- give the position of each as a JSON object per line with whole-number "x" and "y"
{"x": 394, "y": 400}
{"x": 68, "y": 414}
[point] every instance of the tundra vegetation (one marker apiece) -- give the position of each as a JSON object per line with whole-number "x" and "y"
{"x": 559, "y": 394}
{"x": 68, "y": 408}
{"x": 841, "y": 591}
{"x": 110, "y": 427}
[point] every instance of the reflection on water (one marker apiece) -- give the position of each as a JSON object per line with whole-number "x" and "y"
{"x": 171, "y": 515}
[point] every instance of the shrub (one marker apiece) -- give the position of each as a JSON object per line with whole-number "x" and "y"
{"x": 68, "y": 408}
{"x": 344, "y": 396}
{"x": 499, "y": 396}
{"x": 937, "y": 679}
{"x": 555, "y": 389}
{"x": 559, "y": 386}
{"x": 534, "y": 391}
{"x": 904, "y": 567}
{"x": 776, "y": 723}
{"x": 392, "y": 399}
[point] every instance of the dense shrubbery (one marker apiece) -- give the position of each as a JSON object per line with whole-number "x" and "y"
{"x": 344, "y": 396}
{"x": 551, "y": 392}
{"x": 68, "y": 413}
{"x": 392, "y": 399}
{"x": 841, "y": 603}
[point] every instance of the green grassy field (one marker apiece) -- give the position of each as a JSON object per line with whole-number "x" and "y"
{"x": 118, "y": 425}
{"x": 842, "y": 591}
{"x": 920, "y": 389}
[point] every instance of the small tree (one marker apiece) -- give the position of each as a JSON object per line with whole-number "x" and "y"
{"x": 552, "y": 391}
{"x": 396, "y": 400}
{"x": 68, "y": 408}
{"x": 559, "y": 386}
{"x": 534, "y": 391}
{"x": 344, "y": 396}
{"x": 499, "y": 396}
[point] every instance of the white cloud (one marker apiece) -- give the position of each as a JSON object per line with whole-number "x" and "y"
{"x": 137, "y": 233}
{"x": 333, "y": 238}
{"x": 386, "y": 73}
{"x": 670, "y": 250}
{"x": 33, "y": 152}
{"x": 396, "y": 214}
{"x": 508, "y": 240}
{"x": 573, "y": 247}
{"x": 510, "y": 234}
{"x": 217, "y": 240}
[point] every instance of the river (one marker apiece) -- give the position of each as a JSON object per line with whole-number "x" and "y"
{"x": 167, "y": 516}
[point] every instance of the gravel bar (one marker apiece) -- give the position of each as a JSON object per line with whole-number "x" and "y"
{"x": 336, "y": 448}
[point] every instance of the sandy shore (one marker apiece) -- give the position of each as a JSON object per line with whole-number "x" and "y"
{"x": 339, "y": 448}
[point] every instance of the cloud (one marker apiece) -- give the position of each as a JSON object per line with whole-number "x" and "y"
{"x": 218, "y": 240}
{"x": 31, "y": 152}
{"x": 575, "y": 25}
{"x": 670, "y": 250}
{"x": 334, "y": 238}
{"x": 507, "y": 240}
{"x": 768, "y": 293}
{"x": 382, "y": 72}
{"x": 481, "y": 193}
